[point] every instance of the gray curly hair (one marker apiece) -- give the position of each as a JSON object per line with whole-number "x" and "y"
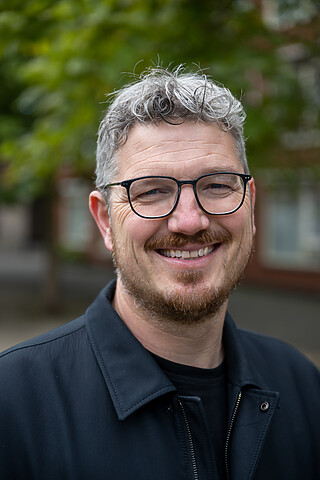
{"x": 170, "y": 96}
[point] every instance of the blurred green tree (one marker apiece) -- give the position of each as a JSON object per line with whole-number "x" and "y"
{"x": 60, "y": 58}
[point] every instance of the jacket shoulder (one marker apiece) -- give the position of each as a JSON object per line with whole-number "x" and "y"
{"x": 36, "y": 367}
{"x": 46, "y": 339}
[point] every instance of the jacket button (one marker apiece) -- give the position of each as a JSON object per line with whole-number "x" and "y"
{"x": 169, "y": 409}
{"x": 264, "y": 407}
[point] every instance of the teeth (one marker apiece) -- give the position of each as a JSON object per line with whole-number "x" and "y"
{"x": 202, "y": 252}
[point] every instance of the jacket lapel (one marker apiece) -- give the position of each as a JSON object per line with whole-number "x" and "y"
{"x": 132, "y": 376}
{"x": 250, "y": 414}
{"x": 251, "y": 423}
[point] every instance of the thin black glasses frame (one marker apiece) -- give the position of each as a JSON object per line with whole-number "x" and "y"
{"x": 127, "y": 183}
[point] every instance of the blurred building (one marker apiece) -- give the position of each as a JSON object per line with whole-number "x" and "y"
{"x": 288, "y": 206}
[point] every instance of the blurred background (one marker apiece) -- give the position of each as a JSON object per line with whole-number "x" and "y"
{"x": 59, "y": 59}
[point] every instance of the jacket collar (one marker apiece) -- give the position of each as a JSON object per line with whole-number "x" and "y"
{"x": 241, "y": 371}
{"x": 132, "y": 376}
{"x": 131, "y": 373}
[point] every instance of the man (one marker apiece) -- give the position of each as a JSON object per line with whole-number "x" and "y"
{"x": 155, "y": 381}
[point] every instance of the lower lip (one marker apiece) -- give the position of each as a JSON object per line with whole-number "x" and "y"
{"x": 190, "y": 263}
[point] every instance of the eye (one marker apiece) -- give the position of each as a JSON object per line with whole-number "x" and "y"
{"x": 215, "y": 188}
{"x": 152, "y": 190}
{"x": 152, "y": 196}
{"x": 219, "y": 185}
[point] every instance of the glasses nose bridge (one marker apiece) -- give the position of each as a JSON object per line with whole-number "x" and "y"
{"x": 193, "y": 183}
{"x": 187, "y": 182}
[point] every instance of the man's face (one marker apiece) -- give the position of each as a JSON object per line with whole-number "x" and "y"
{"x": 150, "y": 276}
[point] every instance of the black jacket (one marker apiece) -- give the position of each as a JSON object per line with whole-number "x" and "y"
{"x": 87, "y": 401}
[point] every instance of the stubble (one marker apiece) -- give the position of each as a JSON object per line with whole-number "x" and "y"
{"x": 192, "y": 302}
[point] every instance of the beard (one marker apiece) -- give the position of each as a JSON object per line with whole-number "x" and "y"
{"x": 191, "y": 301}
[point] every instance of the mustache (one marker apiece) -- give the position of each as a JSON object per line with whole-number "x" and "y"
{"x": 180, "y": 240}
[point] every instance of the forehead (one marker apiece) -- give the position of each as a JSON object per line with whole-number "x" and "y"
{"x": 183, "y": 151}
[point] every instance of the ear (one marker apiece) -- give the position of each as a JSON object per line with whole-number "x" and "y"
{"x": 252, "y": 190}
{"x": 99, "y": 211}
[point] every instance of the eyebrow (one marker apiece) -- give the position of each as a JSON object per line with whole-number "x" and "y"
{"x": 207, "y": 170}
{"x": 220, "y": 169}
{"x": 223, "y": 168}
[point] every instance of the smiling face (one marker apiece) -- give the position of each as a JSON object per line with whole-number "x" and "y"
{"x": 182, "y": 267}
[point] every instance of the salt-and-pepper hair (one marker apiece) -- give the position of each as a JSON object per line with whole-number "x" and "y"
{"x": 174, "y": 97}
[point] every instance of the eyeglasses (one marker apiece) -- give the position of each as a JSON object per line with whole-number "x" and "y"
{"x": 157, "y": 196}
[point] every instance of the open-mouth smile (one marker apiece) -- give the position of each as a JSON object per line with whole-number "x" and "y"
{"x": 188, "y": 254}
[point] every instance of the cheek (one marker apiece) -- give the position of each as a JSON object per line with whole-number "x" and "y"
{"x": 239, "y": 224}
{"x": 130, "y": 228}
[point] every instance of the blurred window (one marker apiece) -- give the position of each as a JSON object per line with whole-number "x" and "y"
{"x": 75, "y": 220}
{"x": 14, "y": 226}
{"x": 291, "y": 221}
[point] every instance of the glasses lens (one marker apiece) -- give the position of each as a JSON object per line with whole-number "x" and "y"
{"x": 153, "y": 196}
{"x": 220, "y": 193}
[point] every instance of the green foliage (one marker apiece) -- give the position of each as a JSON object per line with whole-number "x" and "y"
{"x": 60, "y": 58}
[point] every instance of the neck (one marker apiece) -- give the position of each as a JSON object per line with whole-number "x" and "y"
{"x": 198, "y": 345}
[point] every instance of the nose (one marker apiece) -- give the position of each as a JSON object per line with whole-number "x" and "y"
{"x": 187, "y": 217}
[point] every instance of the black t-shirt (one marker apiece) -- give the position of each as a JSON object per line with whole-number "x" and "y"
{"x": 211, "y": 386}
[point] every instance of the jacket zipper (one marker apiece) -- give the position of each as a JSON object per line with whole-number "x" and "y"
{"x": 191, "y": 445}
{"x": 229, "y": 433}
